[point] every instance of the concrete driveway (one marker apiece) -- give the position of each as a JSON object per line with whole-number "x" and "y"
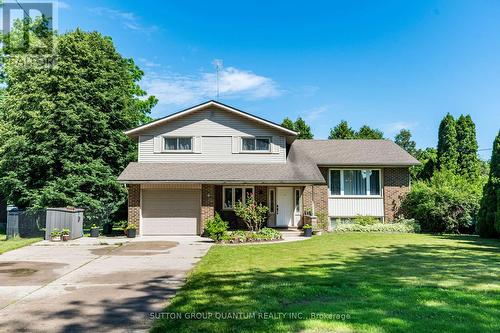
{"x": 85, "y": 287}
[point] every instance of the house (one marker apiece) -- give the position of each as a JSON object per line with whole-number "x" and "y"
{"x": 202, "y": 160}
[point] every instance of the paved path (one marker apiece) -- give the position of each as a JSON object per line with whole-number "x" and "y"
{"x": 88, "y": 287}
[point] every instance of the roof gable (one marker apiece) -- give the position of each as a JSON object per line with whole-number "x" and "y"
{"x": 136, "y": 131}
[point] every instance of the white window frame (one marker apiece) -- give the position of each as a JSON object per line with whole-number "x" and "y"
{"x": 272, "y": 207}
{"x": 299, "y": 211}
{"x": 243, "y": 150}
{"x": 342, "y": 195}
{"x": 164, "y": 147}
{"x": 244, "y": 195}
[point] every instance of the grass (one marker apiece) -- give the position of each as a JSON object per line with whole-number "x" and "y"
{"x": 378, "y": 282}
{"x": 15, "y": 243}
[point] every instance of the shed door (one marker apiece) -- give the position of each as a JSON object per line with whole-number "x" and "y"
{"x": 170, "y": 211}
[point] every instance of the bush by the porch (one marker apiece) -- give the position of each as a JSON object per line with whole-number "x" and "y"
{"x": 216, "y": 228}
{"x": 253, "y": 214}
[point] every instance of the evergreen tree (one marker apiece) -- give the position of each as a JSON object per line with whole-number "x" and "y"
{"x": 403, "y": 139}
{"x": 303, "y": 129}
{"x": 447, "y": 154}
{"x": 63, "y": 141}
{"x": 489, "y": 214}
{"x": 366, "y": 132}
{"x": 342, "y": 131}
{"x": 468, "y": 161}
{"x": 288, "y": 123}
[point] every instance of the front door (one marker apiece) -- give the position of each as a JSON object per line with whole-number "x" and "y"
{"x": 284, "y": 206}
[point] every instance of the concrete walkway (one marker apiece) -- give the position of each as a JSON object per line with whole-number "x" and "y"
{"x": 84, "y": 286}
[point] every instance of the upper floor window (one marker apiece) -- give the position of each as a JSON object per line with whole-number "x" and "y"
{"x": 178, "y": 144}
{"x": 354, "y": 182}
{"x": 255, "y": 144}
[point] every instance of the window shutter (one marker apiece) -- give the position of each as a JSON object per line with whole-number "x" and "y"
{"x": 276, "y": 144}
{"x": 158, "y": 141}
{"x": 197, "y": 144}
{"x": 236, "y": 144}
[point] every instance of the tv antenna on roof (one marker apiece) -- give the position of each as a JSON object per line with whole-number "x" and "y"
{"x": 218, "y": 67}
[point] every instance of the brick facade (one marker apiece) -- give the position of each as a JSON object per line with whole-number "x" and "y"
{"x": 207, "y": 204}
{"x": 134, "y": 205}
{"x": 317, "y": 194}
{"x": 396, "y": 186}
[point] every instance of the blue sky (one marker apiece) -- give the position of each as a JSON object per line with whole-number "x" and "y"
{"x": 388, "y": 64}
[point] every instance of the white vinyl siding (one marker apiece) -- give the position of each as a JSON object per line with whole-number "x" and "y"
{"x": 216, "y": 139}
{"x": 351, "y": 207}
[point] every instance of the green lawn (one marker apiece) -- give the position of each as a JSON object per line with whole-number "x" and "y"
{"x": 383, "y": 282}
{"x": 15, "y": 243}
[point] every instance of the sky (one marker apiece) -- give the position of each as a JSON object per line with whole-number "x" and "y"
{"x": 387, "y": 64}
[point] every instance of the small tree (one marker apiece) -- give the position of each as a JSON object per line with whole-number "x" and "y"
{"x": 251, "y": 213}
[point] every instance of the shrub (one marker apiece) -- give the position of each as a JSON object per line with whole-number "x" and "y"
{"x": 269, "y": 234}
{"x": 322, "y": 221}
{"x": 445, "y": 203}
{"x": 366, "y": 220}
{"x": 65, "y": 232}
{"x": 406, "y": 226}
{"x": 216, "y": 228}
{"x": 251, "y": 213}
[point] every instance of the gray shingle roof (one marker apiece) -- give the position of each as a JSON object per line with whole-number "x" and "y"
{"x": 301, "y": 166}
{"x": 355, "y": 152}
{"x": 298, "y": 170}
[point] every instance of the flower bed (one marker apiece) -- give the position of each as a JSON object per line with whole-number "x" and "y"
{"x": 404, "y": 226}
{"x": 242, "y": 236}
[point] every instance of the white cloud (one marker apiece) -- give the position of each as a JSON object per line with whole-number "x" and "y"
{"x": 178, "y": 89}
{"x": 315, "y": 113}
{"x": 395, "y": 127}
{"x": 149, "y": 63}
{"x": 128, "y": 19}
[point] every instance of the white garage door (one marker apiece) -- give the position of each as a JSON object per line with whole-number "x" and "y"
{"x": 170, "y": 212}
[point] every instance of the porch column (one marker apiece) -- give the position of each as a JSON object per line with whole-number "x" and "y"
{"x": 207, "y": 204}
{"x": 134, "y": 205}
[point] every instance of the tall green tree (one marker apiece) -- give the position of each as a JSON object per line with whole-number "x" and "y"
{"x": 404, "y": 140}
{"x": 63, "y": 138}
{"x": 468, "y": 160}
{"x": 342, "y": 131}
{"x": 288, "y": 123}
{"x": 299, "y": 126}
{"x": 447, "y": 154}
{"x": 428, "y": 158}
{"x": 489, "y": 214}
{"x": 303, "y": 129}
{"x": 366, "y": 132}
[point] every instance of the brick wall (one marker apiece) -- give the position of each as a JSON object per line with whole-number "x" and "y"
{"x": 318, "y": 194}
{"x": 134, "y": 205}
{"x": 396, "y": 186}
{"x": 207, "y": 204}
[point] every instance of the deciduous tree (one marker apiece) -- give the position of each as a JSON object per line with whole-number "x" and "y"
{"x": 64, "y": 143}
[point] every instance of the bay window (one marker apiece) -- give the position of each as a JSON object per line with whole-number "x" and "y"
{"x": 231, "y": 195}
{"x": 354, "y": 182}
